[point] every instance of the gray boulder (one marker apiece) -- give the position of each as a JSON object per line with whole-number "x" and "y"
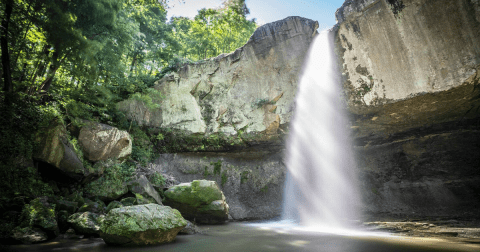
{"x": 200, "y": 201}
{"x": 102, "y": 142}
{"x": 54, "y": 148}
{"x": 86, "y": 223}
{"x": 28, "y": 235}
{"x": 144, "y": 191}
{"x": 142, "y": 225}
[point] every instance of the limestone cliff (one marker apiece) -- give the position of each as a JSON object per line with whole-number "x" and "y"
{"x": 411, "y": 71}
{"x": 252, "y": 88}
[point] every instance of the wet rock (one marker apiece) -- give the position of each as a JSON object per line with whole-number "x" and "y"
{"x": 189, "y": 229}
{"x": 201, "y": 201}
{"x": 142, "y": 225}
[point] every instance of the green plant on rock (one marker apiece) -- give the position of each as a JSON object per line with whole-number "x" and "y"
{"x": 157, "y": 179}
{"x": 224, "y": 178}
{"x": 206, "y": 173}
{"x": 264, "y": 189}
{"x": 217, "y": 167}
{"x": 113, "y": 182}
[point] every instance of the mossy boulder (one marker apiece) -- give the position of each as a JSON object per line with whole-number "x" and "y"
{"x": 142, "y": 225}
{"x": 86, "y": 223}
{"x": 201, "y": 201}
{"x": 111, "y": 186}
{"x": 40, "y": 214}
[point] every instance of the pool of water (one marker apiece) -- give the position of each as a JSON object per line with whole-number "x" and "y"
{"x": 264, "y": 237}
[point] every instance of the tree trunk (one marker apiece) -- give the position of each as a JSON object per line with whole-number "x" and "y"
{"x": 7, "y": 74}
{"x": 51, "y": 71}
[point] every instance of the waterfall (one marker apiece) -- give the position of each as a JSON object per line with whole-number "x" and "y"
{"x": 320, "y": 190}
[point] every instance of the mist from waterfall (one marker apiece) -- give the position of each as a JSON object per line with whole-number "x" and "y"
{"x": 320, "y": 191}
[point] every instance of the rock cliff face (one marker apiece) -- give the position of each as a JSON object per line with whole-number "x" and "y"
{"x": 411, "y": 72}
{"x": 252, "y": 88}
{"x": 240, "y": 102}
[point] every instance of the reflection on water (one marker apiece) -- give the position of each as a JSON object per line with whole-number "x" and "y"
{"x": 262, "y": 237}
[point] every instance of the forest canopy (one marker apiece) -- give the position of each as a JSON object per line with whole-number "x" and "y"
{"x": 67, "y": 60}
{"x": 66, "y": 47}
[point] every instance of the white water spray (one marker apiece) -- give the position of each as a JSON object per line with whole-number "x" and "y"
{"x": 320, "y": 189}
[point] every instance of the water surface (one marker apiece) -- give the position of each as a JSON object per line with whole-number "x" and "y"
{"x": 258, "y": 237}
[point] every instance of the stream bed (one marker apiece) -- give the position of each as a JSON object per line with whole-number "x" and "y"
{"x": 260, "y": 237}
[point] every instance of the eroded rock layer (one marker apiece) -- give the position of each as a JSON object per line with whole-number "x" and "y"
{"x": 411, "y": 72}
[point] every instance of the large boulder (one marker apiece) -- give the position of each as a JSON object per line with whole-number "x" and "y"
{"x": 40, "y": 214}
{"x": 142, "y": 225}
{"x": 55, "y": 149}
{"x": 86, "y": 223}
{"x": 102, "y": 142}
{"x": 200, "y": 201}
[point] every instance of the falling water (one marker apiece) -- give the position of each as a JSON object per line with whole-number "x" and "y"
{"x": 320, "y": 191}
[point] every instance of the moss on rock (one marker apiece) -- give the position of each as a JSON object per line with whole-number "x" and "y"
{"x": 199, "y": 200}
{"x": 142, "y": 225}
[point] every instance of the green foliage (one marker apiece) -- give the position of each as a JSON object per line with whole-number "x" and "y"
{"x": 142, "y": 148}
{"x": 73, "y": 60}
{"x": 224, "y": 178}
{"x": 112, "y": 183}
{"x": 157, "y": 180}
{"x": 264, "y": 189}
{"x": 19, "y": 122}
{"x": 217, "y": 167}
{"x": 213, "y": 31}
{"x": 244, "y": 176}
{"x": 38, "y": 213}
{"x": 146, "y": 98}
{"x": 206, "y": 172}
